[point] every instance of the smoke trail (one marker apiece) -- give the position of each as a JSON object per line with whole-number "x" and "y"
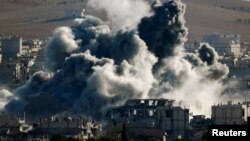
{"x": 94, "y": 67}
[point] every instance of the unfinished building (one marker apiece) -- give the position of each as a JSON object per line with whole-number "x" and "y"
{"x": 152, "y": 114}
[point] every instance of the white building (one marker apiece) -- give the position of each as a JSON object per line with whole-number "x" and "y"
{"x": 225, "y": 44}
{"x": 231, "y": 114}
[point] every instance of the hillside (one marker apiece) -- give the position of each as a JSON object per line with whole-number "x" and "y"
{"x": 29, "y": 18}
{"x": 206, "y": 16}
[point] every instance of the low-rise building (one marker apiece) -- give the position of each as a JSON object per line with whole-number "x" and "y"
{"x": 153, "y": 113}
{"x": 75, "y": 127}
{"x": 231, "y": 114}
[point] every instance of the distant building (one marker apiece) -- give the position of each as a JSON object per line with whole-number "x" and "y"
{"x": 11, "y": 47}
{"x": 71, "y": 14}
{"x": 231, "y": 114}
{"x": 152, "y": 113}
{"x": 225, "y": 44}
{"x": 14, "y": 73}
{"x": 31, "y": 47}
{"x": 192, "y": 46}
{"x": 14, "y": 128}
{"x": 44, "y": 105}
{"x": 76, "y": 127}
{"x": 10, "y": 73}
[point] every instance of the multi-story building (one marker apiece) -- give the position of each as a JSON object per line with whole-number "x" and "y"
{"x": 77, "y": 127}
{"x": 14, "y": 73}
{"x": 225, "y": 44}
{"x": 231, "y": 114}
{"x": 153, "y": 113}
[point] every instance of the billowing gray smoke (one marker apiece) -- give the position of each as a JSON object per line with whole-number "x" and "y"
{"x": 164, "y": 31}
{"x": 91, "y": 67}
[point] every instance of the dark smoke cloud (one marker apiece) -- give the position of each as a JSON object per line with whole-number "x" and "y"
{"x": 31, "y": 88}
{"x": 206, "y": 61}
{"x": 165, "y": 30}
{"x": 208, "y": 54}
{"x": 93, "y": 68}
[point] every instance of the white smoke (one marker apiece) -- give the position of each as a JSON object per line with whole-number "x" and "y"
{"x": 61, "y": 45}
{"x": 5, "y": 97}
{"x": 122, "y": 13}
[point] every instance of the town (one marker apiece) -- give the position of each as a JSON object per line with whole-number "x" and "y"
{"x": 21, "y": 58}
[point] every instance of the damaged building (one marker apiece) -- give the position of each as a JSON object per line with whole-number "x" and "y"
{"x": 231, "y": 114}
{"x": 146, "y": 114}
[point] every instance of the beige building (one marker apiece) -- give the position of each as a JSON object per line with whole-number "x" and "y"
{"x": 225, "y": 44}
{"x": 11, "y": 47}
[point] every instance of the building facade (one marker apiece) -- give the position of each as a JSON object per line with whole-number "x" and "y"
{"x": 153, "y": 113}
{"x": 11, "y": 47}
{"x": 225, "y": 44}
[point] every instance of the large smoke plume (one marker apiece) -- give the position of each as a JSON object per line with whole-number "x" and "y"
{"x": 93, "y": 67}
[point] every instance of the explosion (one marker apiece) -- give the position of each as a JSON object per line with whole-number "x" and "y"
{"x": 138, "y": 53}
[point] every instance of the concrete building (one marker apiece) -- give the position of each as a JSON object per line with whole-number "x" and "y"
{"x": 76, "y": 127}
{"x": 11, "y": 47}
{"x": 10, "y": 73}
{"x": 192, "y": 46}
{"x": 153, "y": 113}
{"x": 231, "y": 114}
{"x": 71, "y": 14}
{"x": 44, "y": 105}
{"x": 14, "y": 73}
{"x": 31, "y": 47}
{"x": 225, "y": 44}
{"x": 246, "y": 107}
